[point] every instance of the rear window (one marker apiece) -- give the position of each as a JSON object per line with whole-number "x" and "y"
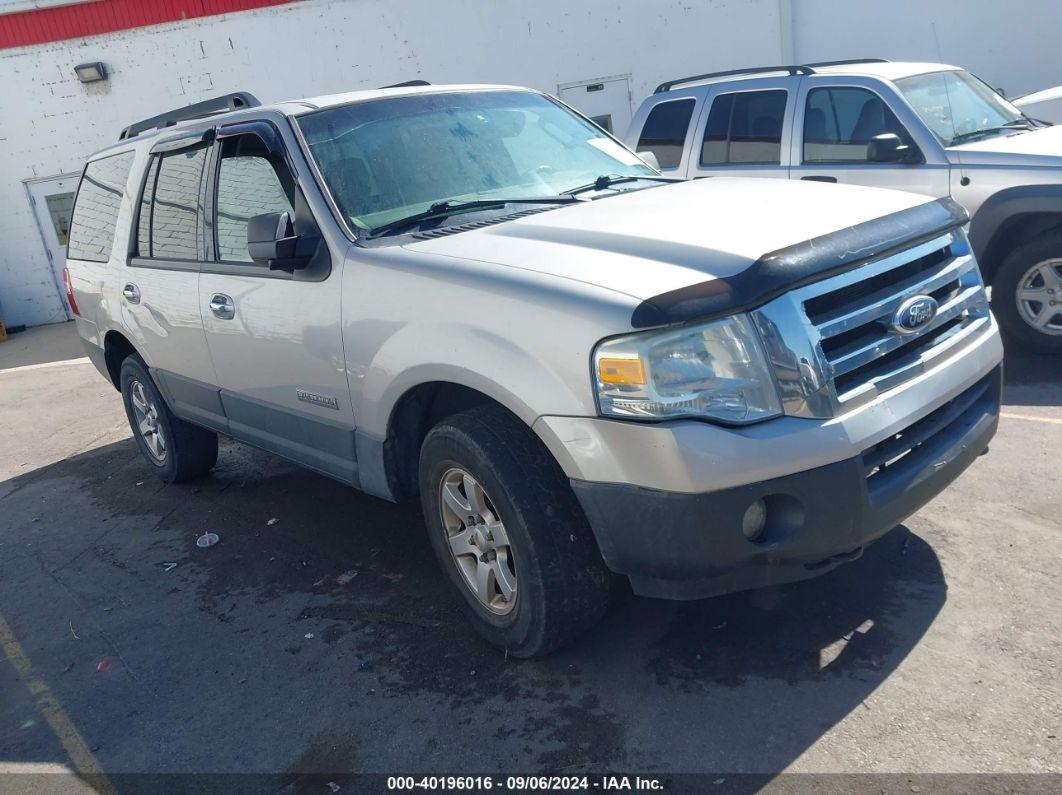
{"x": 99, "y": 197}
{"x": 664, "y": 132}
{"x": 745, "y": 128}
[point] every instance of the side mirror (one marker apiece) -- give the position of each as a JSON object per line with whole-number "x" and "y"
{"x": 271, "y": 241}
{"x": 649, "y": 158}
{"x": 889, "y": 148}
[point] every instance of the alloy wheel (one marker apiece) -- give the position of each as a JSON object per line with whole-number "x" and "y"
{"x": 146, "y": 414}
{"x": 478, "y": 541}
{"x": 1039, "y": 297}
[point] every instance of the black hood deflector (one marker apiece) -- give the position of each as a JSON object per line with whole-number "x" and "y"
{"x": 800, "y": 264}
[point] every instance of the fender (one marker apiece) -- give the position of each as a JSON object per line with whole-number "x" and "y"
{"x": 451, "y": 352}
{"x": 1004, "y": 205}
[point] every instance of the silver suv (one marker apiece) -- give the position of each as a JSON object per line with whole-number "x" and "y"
{"x": 475, "y": 295}
{"x": 924, "y": 127}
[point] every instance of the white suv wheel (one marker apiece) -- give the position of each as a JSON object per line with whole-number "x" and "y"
{"x": 147, "y": 421}
{"x": 478, "y": 541}
{"x": 1039, "y": 297}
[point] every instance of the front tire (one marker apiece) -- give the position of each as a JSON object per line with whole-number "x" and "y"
{"x": 509, "y": 533}
{"x": 1027, "y": 294}
{"x": 174, "y": 449}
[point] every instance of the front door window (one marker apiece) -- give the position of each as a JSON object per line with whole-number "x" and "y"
{"x": 839, "y": 123}
{"x": 249, "y": 184}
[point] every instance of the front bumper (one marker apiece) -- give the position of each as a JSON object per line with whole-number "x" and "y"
{"x": 682, "y": 545}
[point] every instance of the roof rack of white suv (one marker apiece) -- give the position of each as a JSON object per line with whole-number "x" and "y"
{"x": 848, "y": 62}
{"x": 409, "y": 84}
{"x": 794, "y": 69}
{"x": 208, "y": 107}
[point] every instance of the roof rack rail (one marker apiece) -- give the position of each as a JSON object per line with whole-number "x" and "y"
{"x": 848, "y": 61}
{"x": 795, "y": 69}
{"x": 209, "y": 107}
{"x": 408, "y": 84}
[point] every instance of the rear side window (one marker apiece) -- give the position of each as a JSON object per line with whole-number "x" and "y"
{"x": 96, "y": 210}
{"x": 168, "y": 223}
{"x": 745, "y": 128}
{"x": 839, "y": 123}
{"x": 664, "y": 132}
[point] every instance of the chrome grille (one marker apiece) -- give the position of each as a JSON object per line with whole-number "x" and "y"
{"x": 833, "y": 344}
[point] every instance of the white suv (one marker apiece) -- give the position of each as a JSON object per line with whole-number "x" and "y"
{"x": 473, "y": 294}
{"x": 924, "y": 127}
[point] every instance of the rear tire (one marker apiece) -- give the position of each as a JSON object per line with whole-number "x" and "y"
{"x": 1035, "y": 269}
{"x": 521, "y": 536}
{"x": 174, "y": 449}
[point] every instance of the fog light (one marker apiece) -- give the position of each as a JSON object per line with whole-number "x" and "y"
{"x": 754, "y": 520}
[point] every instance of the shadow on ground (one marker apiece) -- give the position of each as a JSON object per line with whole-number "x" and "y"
{"x": 1031, "y": 380}
{"x": 318, "y": 636}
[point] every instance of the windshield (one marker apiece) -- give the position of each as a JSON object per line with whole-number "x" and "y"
{"x": 957, "y": 106}
{"x": 387, "y": 159}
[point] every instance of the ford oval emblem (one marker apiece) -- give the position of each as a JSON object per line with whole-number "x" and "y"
{"x": 914, "y": 314}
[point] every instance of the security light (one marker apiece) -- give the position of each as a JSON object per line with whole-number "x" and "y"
{"x": 90, "y": 72}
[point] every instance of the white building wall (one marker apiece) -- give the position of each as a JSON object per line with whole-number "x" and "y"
{"x": 49, "y": 123}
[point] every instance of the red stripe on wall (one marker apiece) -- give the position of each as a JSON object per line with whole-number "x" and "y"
{"x": 106, "y": 16}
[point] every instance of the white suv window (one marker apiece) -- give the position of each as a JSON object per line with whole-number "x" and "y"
{"x": 386, "y": 159}
{"x": 96, "y": 211}
{"x": 664, "y": 133}
{"x": 248, "y": 185}
{"x": 839, "y": 123}
{"x": 745, "y": 128}
{"x": 957, "y": 106}
{"x": 168, "y": 226}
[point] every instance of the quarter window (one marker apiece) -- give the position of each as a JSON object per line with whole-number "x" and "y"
{"x": 665, "y": 129}
{"x": 745, "y": 128}
{"x": 96, "y": 210}
{"x": 839, "y": 123}
{"x": 249, "y": 183}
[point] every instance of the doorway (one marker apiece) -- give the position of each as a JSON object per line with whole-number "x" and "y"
{"x": 52, "y": 199}
{"x": 606, "y": 101}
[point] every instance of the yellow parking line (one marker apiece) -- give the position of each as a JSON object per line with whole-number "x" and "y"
{"x": 1029, "y": 418}
{"x": 61, "y": 724}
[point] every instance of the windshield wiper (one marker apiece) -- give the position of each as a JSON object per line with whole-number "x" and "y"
{"x": 447, "y": 208}
{"x": 608, "y": 180}
{"x": 1007, "y": 127}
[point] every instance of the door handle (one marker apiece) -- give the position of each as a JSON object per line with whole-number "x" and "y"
{"x": 221, "y": 305}
{"x": 820, "y": 178}
{"x": 131, "y": 293}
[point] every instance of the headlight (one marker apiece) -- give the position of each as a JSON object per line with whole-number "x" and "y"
{"x": 715, "y": 370}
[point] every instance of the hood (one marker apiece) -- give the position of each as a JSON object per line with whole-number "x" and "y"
{"x": 1042, "y": 147}
{"x": 661, "y": 239}
{"x": 1047, "y": 95}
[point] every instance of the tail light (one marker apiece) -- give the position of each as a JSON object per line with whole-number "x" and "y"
{"x": 70, "y": 292}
